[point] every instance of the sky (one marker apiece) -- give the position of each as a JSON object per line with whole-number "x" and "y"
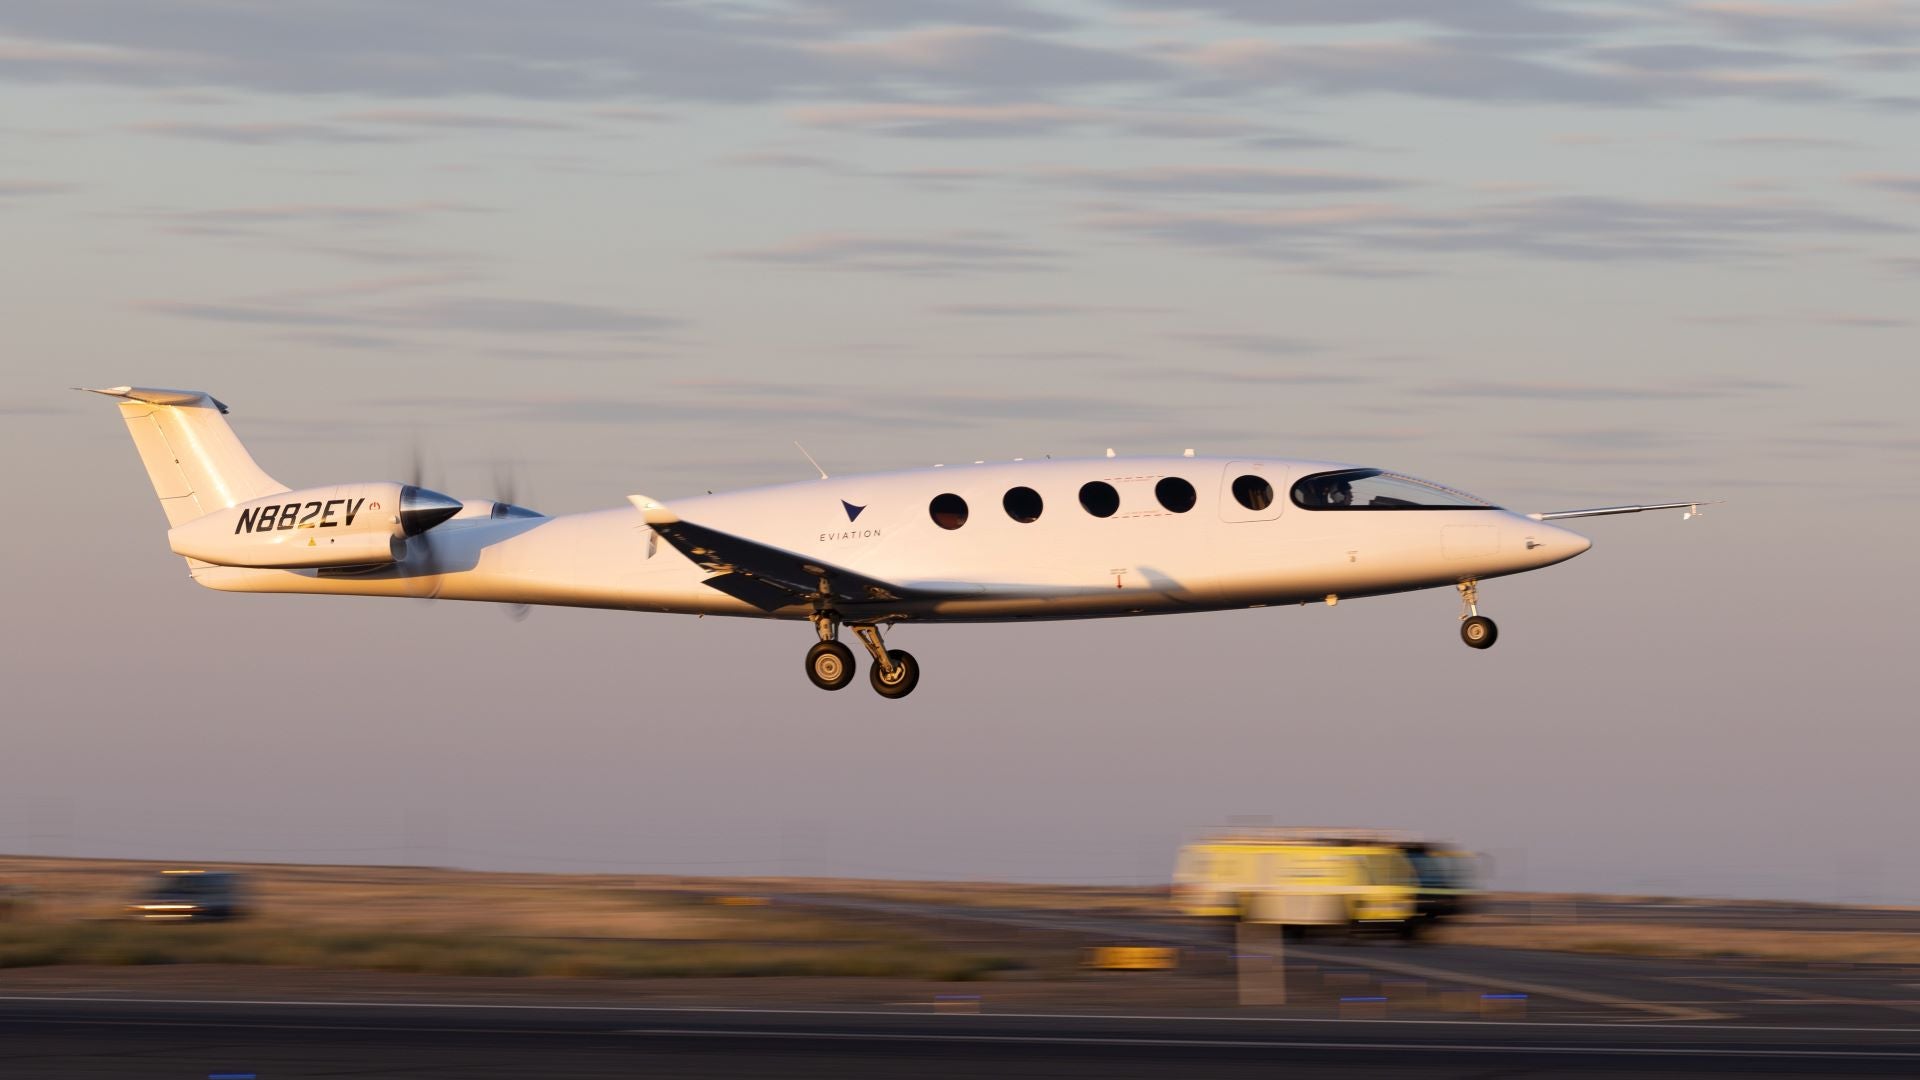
{"x": 1556, "y": 254}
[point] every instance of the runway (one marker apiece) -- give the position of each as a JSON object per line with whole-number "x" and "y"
{"x": 1563, "y": 986}
{"x": 88, "y": 1037}
{"x": 1374, "y": 1010}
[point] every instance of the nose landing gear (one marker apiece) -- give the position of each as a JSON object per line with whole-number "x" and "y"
{"x": 1478, "y": 631}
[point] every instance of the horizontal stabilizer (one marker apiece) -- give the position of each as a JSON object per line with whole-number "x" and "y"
{"x": 767, "y": 577}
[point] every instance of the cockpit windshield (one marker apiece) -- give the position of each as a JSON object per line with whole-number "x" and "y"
{"x": 1376, "y": 489}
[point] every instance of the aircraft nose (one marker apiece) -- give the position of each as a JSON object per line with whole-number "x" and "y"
{"x": 1552, "y": 544}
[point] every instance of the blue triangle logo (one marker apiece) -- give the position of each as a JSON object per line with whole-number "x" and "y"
{"x": 853, "y": 512}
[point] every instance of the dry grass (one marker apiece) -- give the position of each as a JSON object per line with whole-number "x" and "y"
{"x": 1692, "y": 942}
{"x": 1103, "y": 899}
{"x": 458, "y": 922}
{"x": 42, "y": 944}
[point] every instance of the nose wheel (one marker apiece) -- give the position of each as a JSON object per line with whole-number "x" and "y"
{"x": 1478, "y": 631}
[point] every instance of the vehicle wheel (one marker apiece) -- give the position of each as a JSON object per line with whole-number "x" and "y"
{"x": 1479, "y": 632}
{"x": 906, "y": 675}
{"x": 830, "y": 665}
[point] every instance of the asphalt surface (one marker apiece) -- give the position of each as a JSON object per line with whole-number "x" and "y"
{"x": 1563, "y": 986}
{"x": 81, "y": 1038}
{"x": 1730, "y": 914}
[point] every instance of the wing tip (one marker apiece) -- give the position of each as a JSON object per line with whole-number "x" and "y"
{"x": 653, "y": 511}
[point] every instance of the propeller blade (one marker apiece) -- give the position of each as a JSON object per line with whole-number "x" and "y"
{"x": 505, "y": 483}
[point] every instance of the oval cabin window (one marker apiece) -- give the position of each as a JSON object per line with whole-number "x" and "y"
{"x": 1099, "y": 498}
{"x": 1253, "y": 492}
{"x": 1175, "y": 494}
{"x": 1023, "y": 504}
{"x": 948, "y": 511}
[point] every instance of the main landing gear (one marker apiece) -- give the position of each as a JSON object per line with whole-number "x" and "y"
{"x": 830, "y": 664}
{"x": 1476, "y": 629}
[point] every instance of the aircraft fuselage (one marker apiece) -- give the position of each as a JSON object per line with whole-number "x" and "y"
{"x": 1141, "y": 558}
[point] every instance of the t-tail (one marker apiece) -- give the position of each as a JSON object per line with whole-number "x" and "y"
{"x": 195, "y": 461}
{"x": 225, "y": 510}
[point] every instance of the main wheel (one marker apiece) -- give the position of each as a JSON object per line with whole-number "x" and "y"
{"x": 906, "y": 675}
{"x": 830, "y": 665}
{"x": 1479, "y": 632}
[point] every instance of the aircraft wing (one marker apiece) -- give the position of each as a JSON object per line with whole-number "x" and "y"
{"x": 1691, "y": 506}
{"x": 767, "y": 577}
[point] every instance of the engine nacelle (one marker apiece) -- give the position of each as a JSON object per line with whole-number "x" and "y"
{"x": 346, "y": 525}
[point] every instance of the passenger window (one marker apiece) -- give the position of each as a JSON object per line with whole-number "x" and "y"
{"x": 1099, "y": 498}
{"x": 1023, "y": 504}
{"x": 1175, "y": 494}
{"x": 949, "y": 511}
{"x": 1252, "y": 492}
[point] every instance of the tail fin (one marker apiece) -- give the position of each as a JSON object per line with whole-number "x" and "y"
{"x": 195, "y": 461}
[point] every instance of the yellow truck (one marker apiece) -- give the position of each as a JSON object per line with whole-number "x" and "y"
{"x": 1348, "y": 879}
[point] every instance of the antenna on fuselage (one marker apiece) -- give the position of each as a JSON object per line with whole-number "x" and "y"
{"x": 810, "y": 461}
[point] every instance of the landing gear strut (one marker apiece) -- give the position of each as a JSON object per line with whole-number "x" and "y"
{"x": 895, "y": 672}
{"x": 1476, "y": 629}
{"x": 829, "y": 663}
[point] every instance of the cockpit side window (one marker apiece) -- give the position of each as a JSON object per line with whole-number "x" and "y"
{"x": 1375, "y": 489}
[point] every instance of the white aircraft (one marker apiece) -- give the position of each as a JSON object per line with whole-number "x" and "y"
{"x": 982, "y": 543}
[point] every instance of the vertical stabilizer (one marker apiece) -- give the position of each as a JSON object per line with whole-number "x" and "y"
{"x": 195, "y": 461}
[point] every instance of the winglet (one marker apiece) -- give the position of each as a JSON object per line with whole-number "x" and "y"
{"x": 655, "y": 513}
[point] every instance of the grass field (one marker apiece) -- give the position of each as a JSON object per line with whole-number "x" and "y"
{"x": 436, "y": 921}
{"x": 1696, "y": 942}
{"x": 429, "y": 921}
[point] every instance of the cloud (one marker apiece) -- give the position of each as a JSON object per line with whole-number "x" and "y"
{"x": 431, "y": 119}
{"x": 32, "y": 189}
{"x": 1249, "y": 378}
{"x": 257, "y": 133}
{"x": 1490, "y": 71}
{"x": 1007, "y": 62}
{"x": 888, "y": 14}
{"x": 566, "y": 50}
{"x": 1787, "y": 142}
{"x": 1252, "y": 344}
{"x": 1681, "y": 57}
{"x": 1438, "y": 69}
{"x": 1554, "y": 390}
{"x": 1906, "y": 184}
{"x": 1015, "y": 119}
{"x": 1218, "y": 180}
{"x": 1873, "y": 22}
{"x": 1042, "y": 310}
{"x": 1480, "y": 16}
{"x": 1887, "y": 59}
{"x": 340, "y": 312}
{"x": 754, "y": 407}
{"x": 238, "y": 220}
{"x": 973, "y": 251}
{"x": 1577, "y": 228}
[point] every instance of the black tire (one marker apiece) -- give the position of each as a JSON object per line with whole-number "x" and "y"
{"x": 906, "y": 675}
{"x": 830, "y": 665}
{"x": 1479, "y": 632}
